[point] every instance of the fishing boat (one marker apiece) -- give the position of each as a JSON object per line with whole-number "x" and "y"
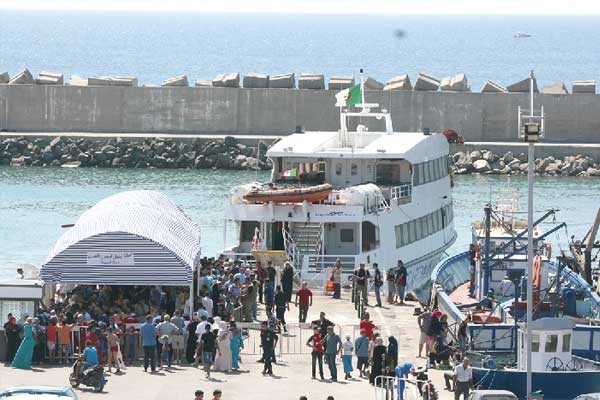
{"x": 542, "y": 338}
{"x": 310, "y": 194}
{"x": 363, "y": 193}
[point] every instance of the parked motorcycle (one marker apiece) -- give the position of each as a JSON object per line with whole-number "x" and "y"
{"x": 93, "y": 377}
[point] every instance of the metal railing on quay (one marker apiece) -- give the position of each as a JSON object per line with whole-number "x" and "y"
{"x": 386, "y": 388}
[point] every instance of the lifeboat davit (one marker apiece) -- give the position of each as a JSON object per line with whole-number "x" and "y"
{"x": 310, "y": 194}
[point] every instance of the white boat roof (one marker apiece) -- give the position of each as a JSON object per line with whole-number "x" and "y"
{"x": 412, "y": 146}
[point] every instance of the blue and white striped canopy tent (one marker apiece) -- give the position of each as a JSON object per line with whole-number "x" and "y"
{"x": 132, "y": 238}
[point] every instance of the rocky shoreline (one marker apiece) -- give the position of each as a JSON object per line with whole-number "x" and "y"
{"x": 228, "y": 153}
{"x": 486, "y": 162}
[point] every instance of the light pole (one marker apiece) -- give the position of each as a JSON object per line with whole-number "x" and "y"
{"x": 530, "y": 131}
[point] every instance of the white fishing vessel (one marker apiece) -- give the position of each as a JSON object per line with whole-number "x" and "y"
{"x": 364, "y": 193}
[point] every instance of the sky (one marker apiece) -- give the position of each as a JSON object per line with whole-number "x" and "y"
{"x": 456, "y": 7}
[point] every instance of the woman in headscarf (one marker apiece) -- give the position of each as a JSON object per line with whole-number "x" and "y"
{"x": 190, "y": 347}
{"x": 379, "y": 352}
{"x": 24, "y": 354}
{"x": 287, "y": 281}
{"x": 391, "y": 287}
{"x": 223, "y": 359}
{"x": 392, "y": 353}
{"x": 11, "y": 332}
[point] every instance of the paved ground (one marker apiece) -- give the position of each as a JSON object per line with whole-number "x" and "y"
{"x": 292, "y": 375}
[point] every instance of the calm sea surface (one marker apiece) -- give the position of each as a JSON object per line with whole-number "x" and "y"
{"x": 154, "y": 46}
{"x": 34, "y": 202}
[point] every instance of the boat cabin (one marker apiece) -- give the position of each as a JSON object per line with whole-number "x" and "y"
{"x": 550, "y": 345}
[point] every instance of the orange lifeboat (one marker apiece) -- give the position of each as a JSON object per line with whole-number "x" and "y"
{"x": 310, "y": 194}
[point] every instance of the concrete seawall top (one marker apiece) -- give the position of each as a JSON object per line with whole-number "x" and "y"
{"x": 269, "y": 111}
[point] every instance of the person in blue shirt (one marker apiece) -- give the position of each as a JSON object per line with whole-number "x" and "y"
{"x": 402, "y": 371}
{"x": 89, "y": 357}
{"x": 149, "y": 334}
{"x": 361, "y": 348}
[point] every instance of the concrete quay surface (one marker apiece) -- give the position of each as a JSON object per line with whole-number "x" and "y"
{"x": 291, "y": 375}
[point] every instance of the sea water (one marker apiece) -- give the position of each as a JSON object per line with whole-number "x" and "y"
{"x": 35, "y": 202}
{"x": 155, "y": 46}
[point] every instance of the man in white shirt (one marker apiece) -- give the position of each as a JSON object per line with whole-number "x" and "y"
{"x": 506, "y": 287}
{"x": 208, "y": 305}
{"x": 463, "y": 379}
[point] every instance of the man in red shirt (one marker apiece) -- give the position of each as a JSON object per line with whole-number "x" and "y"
{"x": 316, "y": 343}
{"x": 304, "y": 301}
{"x": 367, "y": 326}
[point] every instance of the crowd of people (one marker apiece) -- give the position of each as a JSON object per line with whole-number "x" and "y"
{"x": 120, "y": 323}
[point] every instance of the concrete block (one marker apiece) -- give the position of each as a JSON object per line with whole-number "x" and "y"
{"x": 77, "y": 80}
{"x": 588, "y": 86}
{"x": 283, "y": 81}
{"x": 112, "y": 81}
{"x": 309, "y": 80}
{"x": 456, "y": 83}
{"x": 179, "y": 80}
{"x": 48, "y": 80}
{"x": 256, "y": 80}
{"x": 522, "y": 86}
{"x": 372, "y": 84}
{"x": 227, "y": 80}
{"x": 340, "y": 82}
{"x": 203, "y": 83}
{"x": 400, "y": 82}
{"x": 22, "y": 78}
{"x": 55, "y": 75}
{"x": 492, "y": 87}
{"x": 555, "y": 88}
{"x": 426, "y": 82}
{"x": 4, "y": 77}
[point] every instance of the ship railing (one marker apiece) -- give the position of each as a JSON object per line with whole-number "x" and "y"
{"x": 317, "y": 263}
{"x": 402, "y": 193}
{"x": 291, "y": 249}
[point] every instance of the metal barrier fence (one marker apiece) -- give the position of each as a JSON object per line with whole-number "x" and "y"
{"x": 386, "y": 388}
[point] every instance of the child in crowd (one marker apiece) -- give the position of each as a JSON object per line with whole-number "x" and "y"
{"x": 164, "y": 354}
{"x": 113, "y": 349}
{"x": 131, "y": 344}
{"x": 51, "y": 339}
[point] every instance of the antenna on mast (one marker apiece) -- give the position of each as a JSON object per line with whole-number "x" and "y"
{"x": 362, "y": 86}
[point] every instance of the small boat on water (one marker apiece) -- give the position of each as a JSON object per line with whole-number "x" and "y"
{"x": 310, "y": 194}
{"x": 520, "y": 35}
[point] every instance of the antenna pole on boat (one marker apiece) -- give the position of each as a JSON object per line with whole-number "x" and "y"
{"x": 530, "y": 131}
{"x": 486, "y": 255}
{"x": 362, "y": 86}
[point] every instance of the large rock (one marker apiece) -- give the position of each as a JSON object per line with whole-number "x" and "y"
{"x": 522, "y": 86}
{"x": 4, "y": 77}
{"x": 426, "y": 82}
{"x": 203, "y": 83}
{"x": 256, "y": 80}
{"x": 456, "y": 83}
{"x": 400, "y": 82}
{"x": 282, "y": 81}
{"x": 340, "y": 82}
{"x": 50, "y": 78}
{"x": 481, "y": 166}
{"x": 588, "y": 86}
{"x": 112, "y": 81}
{"x": 22, "y": 78}
{"x": 372, "y": 84}
{"x": 310, "y": 80}
{"x": 180, "y": 80}
{"x": 492, "y": 87}
{"x": 231, "y": 80}
{"x": 555, "y": 88}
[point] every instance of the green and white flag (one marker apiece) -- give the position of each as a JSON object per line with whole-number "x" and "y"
{"x": 348, "y": 96}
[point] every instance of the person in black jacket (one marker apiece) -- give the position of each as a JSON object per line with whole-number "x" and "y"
{"x": 287, "y": 281}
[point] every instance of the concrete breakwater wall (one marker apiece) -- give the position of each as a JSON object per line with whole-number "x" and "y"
{"x": 486, "y": 116}
{"x": 145, "y": 153}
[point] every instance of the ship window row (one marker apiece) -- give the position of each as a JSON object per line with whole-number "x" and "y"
{"x": 431, "y": 170}
{"x": 424, "y": 226}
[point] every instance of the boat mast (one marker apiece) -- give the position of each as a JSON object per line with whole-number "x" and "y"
{"x": 530, "y": 131}
{"x": 486, "y": 254}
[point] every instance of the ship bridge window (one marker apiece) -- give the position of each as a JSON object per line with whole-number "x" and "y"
{"x": 535, "y": 343}
{"x": 393, "y": 172}
{"x": 566, "y": 343}
{"x": 551, "y": 343}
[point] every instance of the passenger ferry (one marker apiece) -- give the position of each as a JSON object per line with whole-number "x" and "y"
{"x": 364, "y": 193}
